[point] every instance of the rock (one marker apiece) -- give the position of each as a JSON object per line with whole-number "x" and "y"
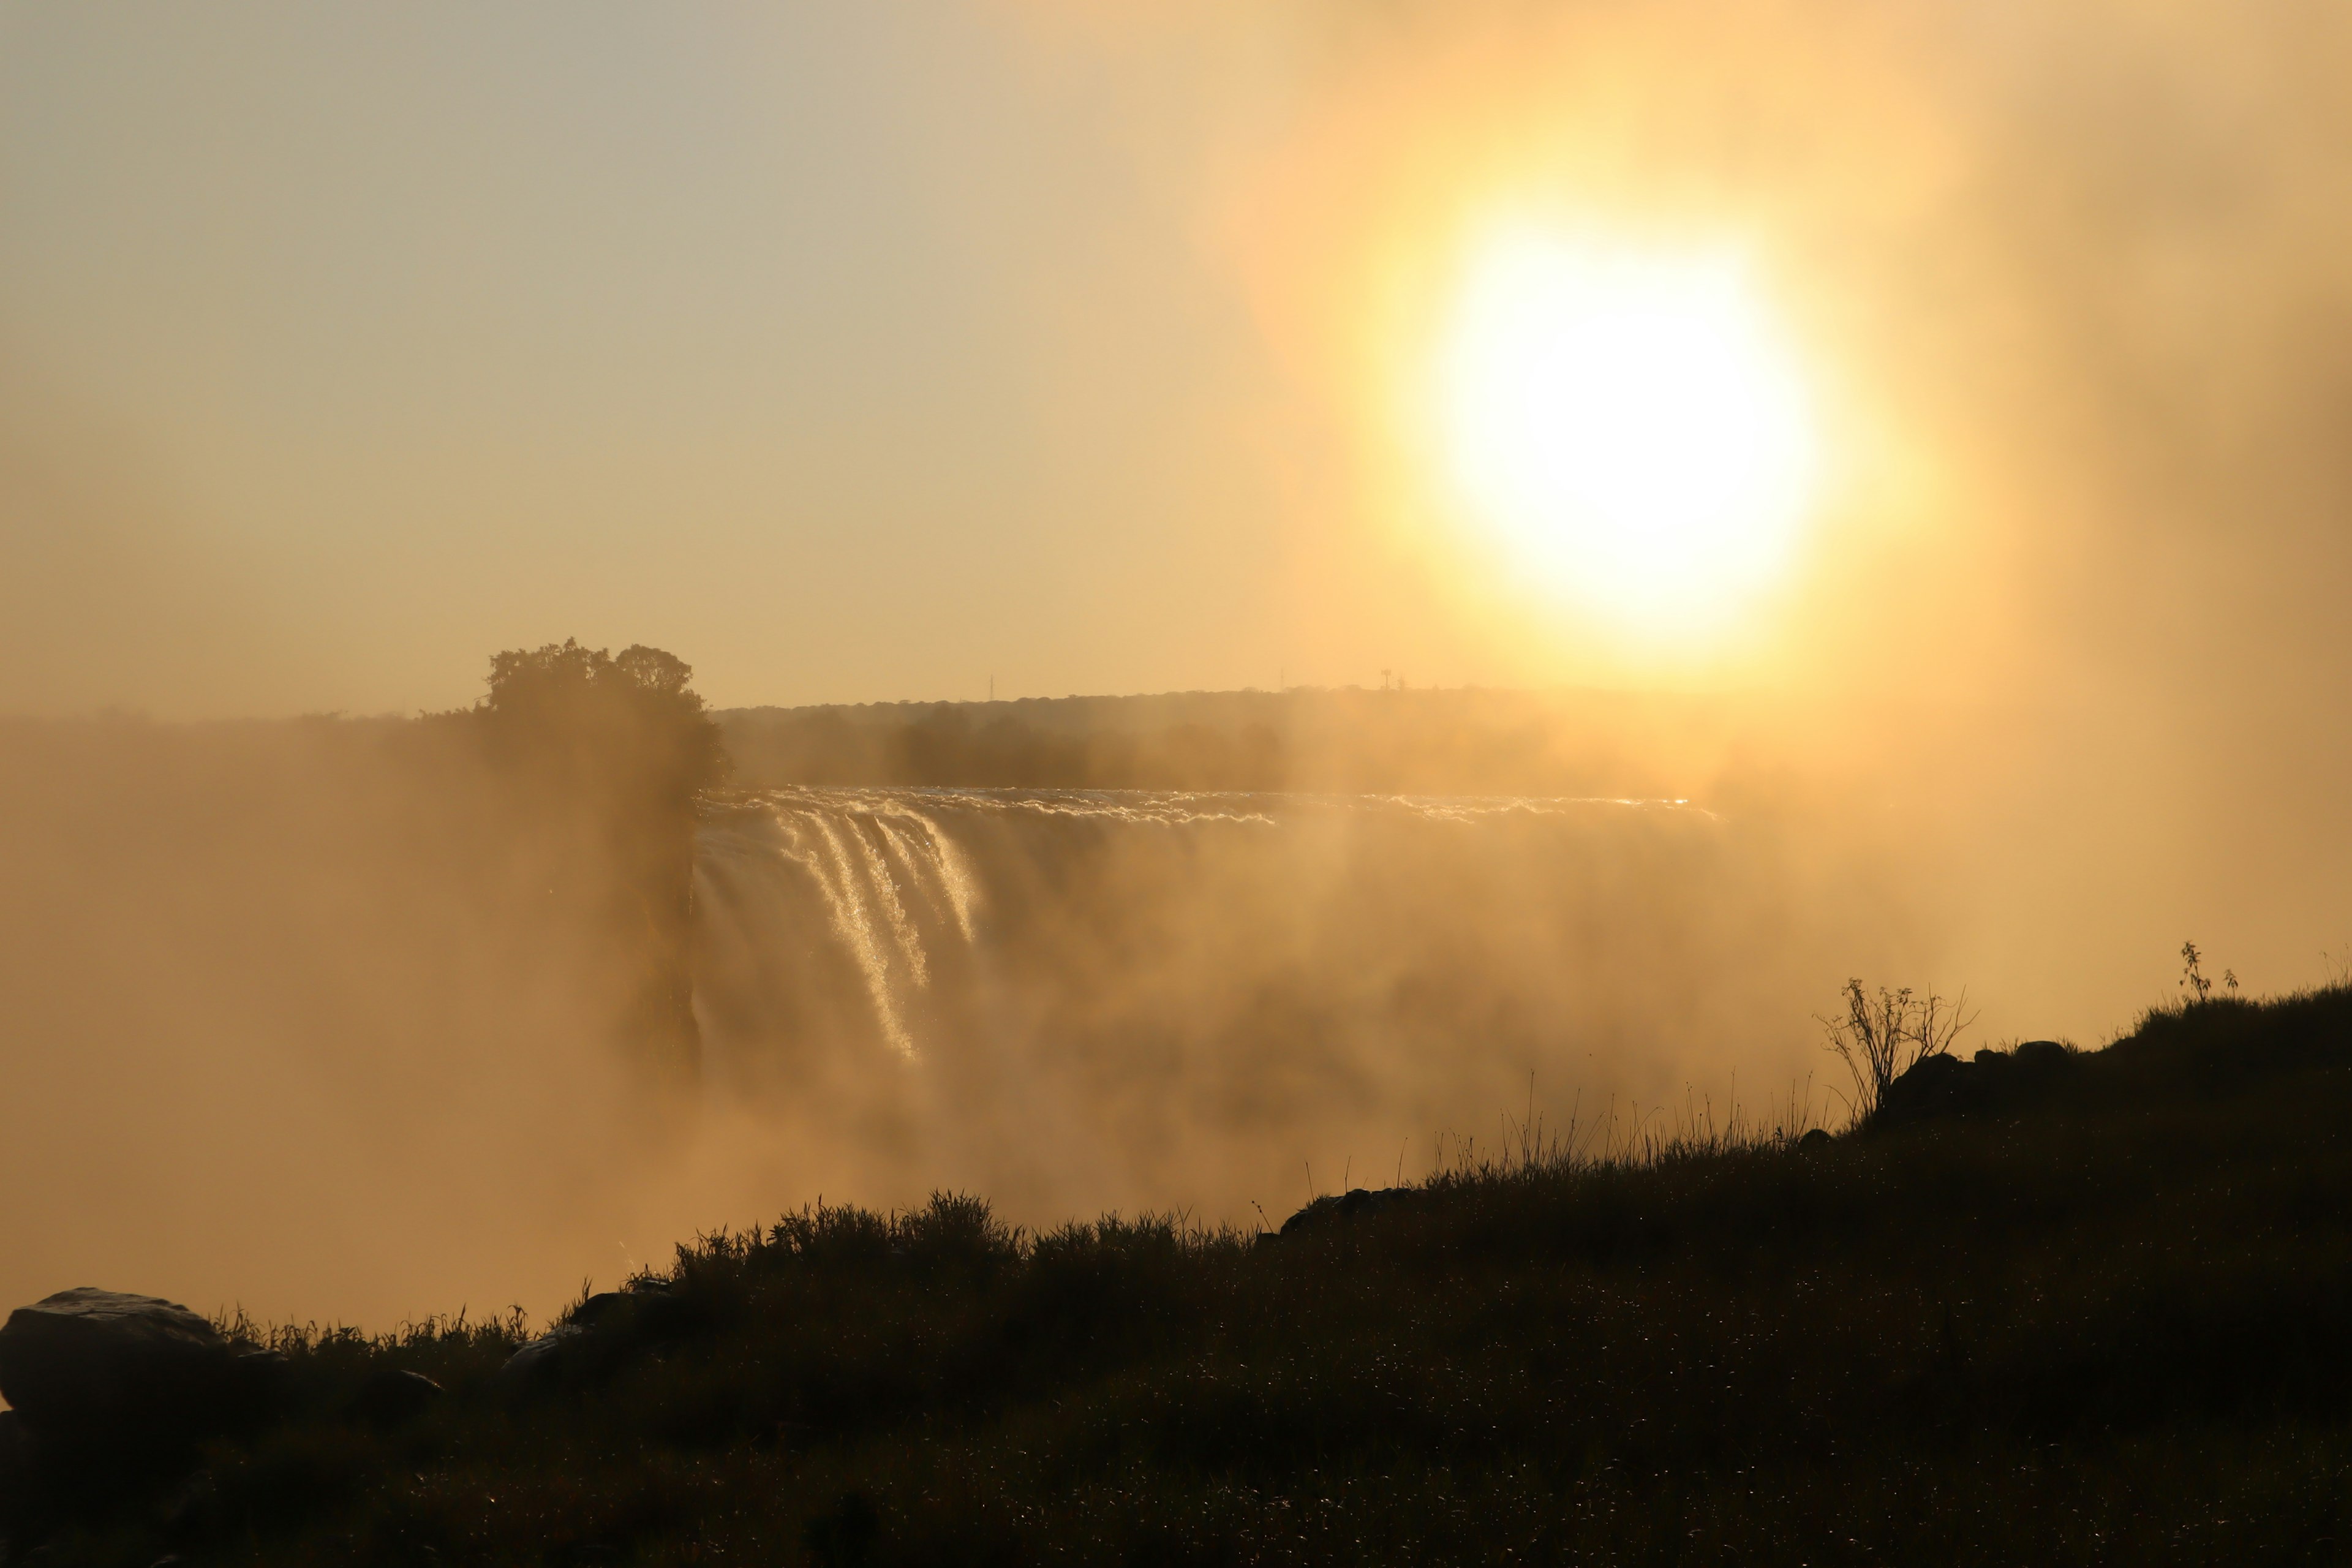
{"x": 15, "y": 1468}
{"x": 601, "y": 1307}
{"x": 392, "y": 1397}
{"x": 1315, "y": 1214}
{"x": 1996, "y": 1083}
{"x": 1355, "y": 1204}
{"x": 2042, "y": 1055}
{"x": 1935, "y": 1086}
{"x": 620, "y": 1322}
{"x": 99, "y": 1366}
{"x": 537, "y": 1363}
{"x": 596, "y": 1337}
{"x": 261, "y": 1382}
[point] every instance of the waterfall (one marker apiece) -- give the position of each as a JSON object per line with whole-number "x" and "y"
{"x": 902, "y": 923}
{"x": 889, "y": 881}
{"x": 1065, "y": 998}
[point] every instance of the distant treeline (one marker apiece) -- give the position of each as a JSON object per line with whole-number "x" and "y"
{"x": 1346, "y": 740}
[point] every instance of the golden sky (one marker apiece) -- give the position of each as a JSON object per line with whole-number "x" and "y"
{"x": 861, "y": 349}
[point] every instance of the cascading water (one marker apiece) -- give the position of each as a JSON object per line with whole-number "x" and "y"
{"x": 890, "y": 884}
{"x": 1102, "y": 997}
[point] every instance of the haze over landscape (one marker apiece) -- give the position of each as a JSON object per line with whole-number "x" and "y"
{"x": 1168, "y": 782}
{"x": 1868, "y": 483}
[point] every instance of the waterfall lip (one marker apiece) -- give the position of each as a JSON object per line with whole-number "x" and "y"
{"x": 1176, "y": 808}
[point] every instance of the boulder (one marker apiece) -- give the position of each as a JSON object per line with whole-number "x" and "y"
{"x": 392, "y": 1397}
{"x": 537, "y": 1363}
{"x": 1932, "y": 1087}
{"x": 1357, "y": 1202}
{"x": 1996, "y": 1083}
{"x": 2043, "y": 1056}
{"x": 88, "y": 1365}
{"x": 605, "y": 1306}
{"x": 16, "y": 1467}
{"x": 599, "y": 1335}
{"x": 261, "y": 1382}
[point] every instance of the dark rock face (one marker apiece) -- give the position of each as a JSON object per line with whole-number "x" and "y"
{"x": 598, "y": 1336}
{"x": 391, "y": 1398}
{"x": 257, "y": 1389}
{"x": 91, "y": 1366}
{"x": 113, "y": 1395}
{"x": 16, "y": 1465}
{"x": 1933, "y": 1085}
{"x": 2035, "y": 1055}
{"x": 1355, "y": 1204}
{"x": 537, "y": 1362}
{"x": 1996, "y": 1083}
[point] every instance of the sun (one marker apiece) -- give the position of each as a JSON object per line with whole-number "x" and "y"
{"x": 1630, "y": 425}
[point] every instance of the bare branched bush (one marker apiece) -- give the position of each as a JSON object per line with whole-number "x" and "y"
{"x": 1882, "y": 1038}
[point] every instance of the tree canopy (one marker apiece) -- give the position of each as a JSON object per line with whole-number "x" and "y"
{"x": 631, "y": 722}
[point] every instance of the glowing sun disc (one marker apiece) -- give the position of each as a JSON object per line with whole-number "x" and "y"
{"x": 1629, "y": 425}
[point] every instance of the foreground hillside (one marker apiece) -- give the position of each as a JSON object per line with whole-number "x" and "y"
{"x": 2100, "y": 1311}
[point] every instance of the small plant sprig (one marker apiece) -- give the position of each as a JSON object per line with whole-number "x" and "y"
{"x": 2192, "y": 978}
{"x": 2193, "y": 975}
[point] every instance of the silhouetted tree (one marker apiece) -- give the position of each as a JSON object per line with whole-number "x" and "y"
{"x": 629, "y": 726}
{"x": 613, "y": 750}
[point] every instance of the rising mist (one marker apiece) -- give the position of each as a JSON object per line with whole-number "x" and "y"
{"x": 862, "y": 355}
{"x": 375, "y": 1017}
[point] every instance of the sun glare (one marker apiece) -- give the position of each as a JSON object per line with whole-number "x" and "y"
{"x": 1631, "y": 427}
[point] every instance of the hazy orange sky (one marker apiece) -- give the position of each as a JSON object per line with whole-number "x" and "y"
{"x": 859, "y": 350}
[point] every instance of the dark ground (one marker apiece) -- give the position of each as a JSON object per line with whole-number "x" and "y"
{"x": 2101, "y": 1313}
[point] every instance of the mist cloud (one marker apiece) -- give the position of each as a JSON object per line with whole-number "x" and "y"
{"x": 2056, "y": 687}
